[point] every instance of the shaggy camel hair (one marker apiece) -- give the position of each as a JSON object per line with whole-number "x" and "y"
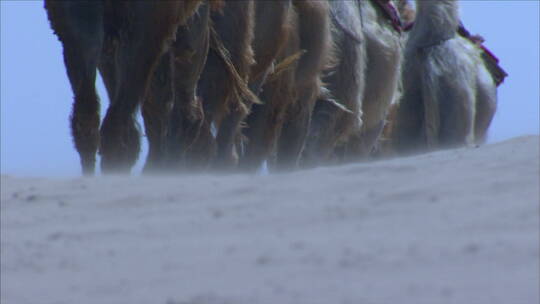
{"x": 449, "y": 94}
{"x": 383, "y": 147}
{"x": 364, "y": 82}
{"x": 252, "y": 44}
{"x": 225, "y": 106}
{"x": 384, "y": 48}
{"x": 225, "y": 103}
{"x": 281, "y": 123}
{"x": 337, "y": 112}
{"x": 172, "y": 113}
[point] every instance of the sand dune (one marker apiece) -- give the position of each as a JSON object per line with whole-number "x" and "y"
{"x": 458, "y": 226}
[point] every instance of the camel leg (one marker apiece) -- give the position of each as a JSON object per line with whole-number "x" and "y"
{"x": 120, "y": 142}
{"x": 486, "y": 106}
{"x": 220, "y": 111}
{"x": 203, "y": 150}
{"x": 383, "y": 72}
{"x": 187, "y": 116}
{"x": 227, "y": 154}
{"x": 331, "y": 124}
{"x": 107, "y": 67}
{"x": 314, "y": 37}
{"x": 406, "y": 134}
{"x": 264, "y": 125}
{"x": 137, "y": 56}
{"x": 185, "y": 126}
{"x": 361, "y": 144}
{"x": 155, "y": 112}
{"x": 322, "y": 135}
{"x": 272, "y": 22}
{"x": 235, "y": 31}
{"x": 291, "y": 142}
{"x": 457, "y": 113}
{"x": 258, "y": 145}
{"x": 261, "y": 133}
{"x": 294, "y": 132}
{"x": 82, "y": 42}
{"x": 85, "y": 115}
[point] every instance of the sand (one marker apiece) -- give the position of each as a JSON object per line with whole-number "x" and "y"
{"x": 456, "y": 226}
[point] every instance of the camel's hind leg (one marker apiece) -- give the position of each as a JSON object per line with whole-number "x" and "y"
{"x": 486, "y": 106}
{"x": 239, "y": 46}
{"x": 79, "y": 27}
{"x": 314, "y": 38}
{"x": 265, "y": 122}
{"x": 235, "y": 31}
{"x": 293, "y": 134}
{"x": 275, "y": 21}
{"x": 272, "y": 29}
{"x": 406, "y": 135}
{"x": 382, "y": 80}
{"x": 453, "y": 124}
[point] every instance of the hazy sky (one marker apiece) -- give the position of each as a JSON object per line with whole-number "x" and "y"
{"x": 36, "y": 97}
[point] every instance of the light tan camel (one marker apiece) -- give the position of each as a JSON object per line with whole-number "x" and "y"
{"x": 449, "y": 95}
{"x": 381, "y": 27}
{"x": 363, "y": 83}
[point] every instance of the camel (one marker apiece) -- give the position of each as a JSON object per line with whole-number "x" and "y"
{"x": 486, "y": 105}
{"x": 338, "y": 110}
{"x": 124, "y": 40}
{"x": 248, "y": 37}
{"x": 382, "y": 31}
{"x": 289, "y": 92}
{"x": 172, "y": 112}
{"x": 383, "y": 146}
{"x": 365, "y": 81}
{"x": 449, "y": 96}
{"x": 223, "y": 86}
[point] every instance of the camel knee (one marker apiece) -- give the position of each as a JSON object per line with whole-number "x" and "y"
{"x": 120, "y": 142}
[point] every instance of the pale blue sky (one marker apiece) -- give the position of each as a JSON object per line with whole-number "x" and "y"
{"x": 36, "y": 97}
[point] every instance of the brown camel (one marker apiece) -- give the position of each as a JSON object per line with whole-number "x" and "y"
{"x": 125, "y": 40}
{"x": 226, "y": 102}
{"x": 290, "y": 91}
{"x": 223, "y": 86}
{"x": 172, "y": 112}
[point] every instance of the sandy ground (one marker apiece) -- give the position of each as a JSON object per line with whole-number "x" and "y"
{"x": 459, "y": 226}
